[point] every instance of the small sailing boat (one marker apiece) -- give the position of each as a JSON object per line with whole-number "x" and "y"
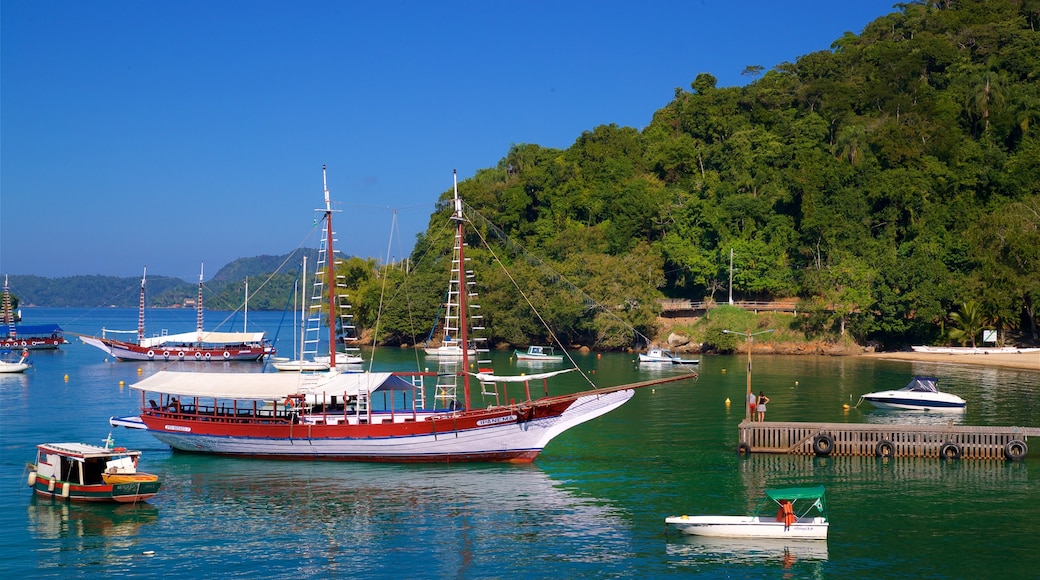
{"x": 371, "y": 416}
{"x": 200, "y": 345}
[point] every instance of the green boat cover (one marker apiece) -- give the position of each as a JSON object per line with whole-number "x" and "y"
{"x": 794, "y": 493}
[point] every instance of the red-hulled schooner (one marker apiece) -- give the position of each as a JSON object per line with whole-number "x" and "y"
{"x": 379, "y": 417}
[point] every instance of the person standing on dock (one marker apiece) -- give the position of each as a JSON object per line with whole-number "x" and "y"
{"x": 760, "y": 406}
{"x": 752, "y": 400}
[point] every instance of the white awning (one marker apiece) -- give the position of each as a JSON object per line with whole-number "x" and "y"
{"x": 266, "y": 386}
{"x": 518, "y": 378}
{"x": 203, "y": 337}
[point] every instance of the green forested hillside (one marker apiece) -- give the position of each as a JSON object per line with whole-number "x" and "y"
{"x": 885, "y": 182}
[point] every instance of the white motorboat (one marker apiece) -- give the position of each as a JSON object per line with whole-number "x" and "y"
{"x": 538, "y": 353}
{"x": 663, "y": 355}
{"x": 801, "y": 515}
{"x": 921, "y": 394}
{"x": 19, "y": 366}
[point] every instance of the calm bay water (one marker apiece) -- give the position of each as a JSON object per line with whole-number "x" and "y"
{"x": 592, "y": 504}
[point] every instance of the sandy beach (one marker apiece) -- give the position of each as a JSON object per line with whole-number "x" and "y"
{"x": 1028, "y": 360}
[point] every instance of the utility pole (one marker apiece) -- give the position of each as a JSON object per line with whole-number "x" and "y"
{"x": 731, "y": 276}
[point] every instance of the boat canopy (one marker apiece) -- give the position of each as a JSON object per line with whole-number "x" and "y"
{"x": 267, "y": 386}
{"x": 796, "y": 493}
{"x": 518, "y": 378}
{"x": 922, "y": 385}
{"x": 197, "y": 337}
{"x": 36, "y": 329}
{"x": 83, "y": 451}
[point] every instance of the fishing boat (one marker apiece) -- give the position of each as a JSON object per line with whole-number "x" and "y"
{"x": 801, "y": 514}
{"x": 663, "y": 355}
{"x": 84, "y": 472}
{"x": 538, "y": 354}
{"x": 378, "y": 417}
{"x": 920, "y": 394}
{"x": 27, "y": 336}
{"x": 199, "y": 346}
{"x": 14, "y": 366}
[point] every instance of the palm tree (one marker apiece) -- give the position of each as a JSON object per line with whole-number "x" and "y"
{"x": 968, "y": 323}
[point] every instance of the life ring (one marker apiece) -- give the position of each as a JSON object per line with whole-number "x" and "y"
{"x": 227, "y": 355}
{"x": 166, "y": 354}
{"x": 207, "y": 356}
{"x": 25, "y": 343}
{"x": 151, "y": 354}
{"x": 884, "y": 449}
{"x": 1016, "y": 450}
{"x": 181, "y": 355}
{"x": 119, "y": 449}
{"x": 198, "y": 355}
{"x": 743, "y": 449}
{"x": 823, "y": 444}
{"x": 950, "y": 450}
{"x": 290, "y": 403}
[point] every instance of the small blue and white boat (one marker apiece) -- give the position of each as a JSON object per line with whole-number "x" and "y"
{"x": 921, "y": 394}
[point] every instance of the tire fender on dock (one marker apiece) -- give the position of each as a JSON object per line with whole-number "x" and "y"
{"x": 823, "y": 444}
{"x": 1016, "y": 450}
{"x": 884, "y": 448}
{"x": 950, "y": 450}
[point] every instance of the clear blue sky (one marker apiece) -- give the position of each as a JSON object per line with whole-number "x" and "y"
{"x": 167, "y": 134}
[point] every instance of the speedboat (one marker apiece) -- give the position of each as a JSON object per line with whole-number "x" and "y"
{"x": 658, "y": 355}
{"x": 801, "y": 514}
{"x": 921, "y": 394}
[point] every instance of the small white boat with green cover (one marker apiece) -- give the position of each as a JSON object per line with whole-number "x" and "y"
{"x": 801, "y": 514}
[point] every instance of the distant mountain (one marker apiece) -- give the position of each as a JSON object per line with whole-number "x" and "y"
{"x": 224, "y": 291}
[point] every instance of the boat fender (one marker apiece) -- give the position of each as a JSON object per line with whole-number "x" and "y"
{"x": 66, "y": 488}
{"x": 743, "y": 449}
{"x": 950, "y": 450}
{"x": 884, "y": 448}
{"x": 227, "y": 355}
{"x": 50, "y": 485}
{"x": 1015, "y": 450}
{"x": 823, "y": 444}
{"x": 151, "y": 354}
{"x": 32, "y": 478}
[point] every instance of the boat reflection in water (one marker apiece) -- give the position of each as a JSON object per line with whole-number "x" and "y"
{"x": 337, "y": 509}
{"x": 51, "y": 519}
{"x": 692, "y": 550}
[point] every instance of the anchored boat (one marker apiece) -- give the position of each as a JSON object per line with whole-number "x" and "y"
{"x": 920, "y": 394}
{"x": 83, "y": 472}
{"x": 801, "y": 514}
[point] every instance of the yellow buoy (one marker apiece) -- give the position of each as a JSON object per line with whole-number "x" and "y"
{"x": 845, "y": 406}
{"x": 66, "y": 378}
{"x": 139, "y": 370}
{"x": 723, "y": 371}
{"x": 727, "y": 401}
{"x": 121, "y": 383}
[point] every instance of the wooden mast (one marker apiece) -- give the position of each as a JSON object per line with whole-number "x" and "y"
{"x": 329, "y": 271}
{"x": 198, "y": 301}
{"x": 463, "y": 322}
{"x": 140, "y": 309}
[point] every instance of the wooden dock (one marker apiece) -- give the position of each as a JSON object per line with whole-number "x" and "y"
{"x": 905, "y": 440}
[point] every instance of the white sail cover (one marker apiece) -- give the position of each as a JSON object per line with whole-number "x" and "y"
{"x": 195, "y": 337}
{"x": 518, "y": 378}
{"x": 267, "y": 386}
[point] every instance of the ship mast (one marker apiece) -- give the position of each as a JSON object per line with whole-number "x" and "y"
{"x": 329, "y": 271}
{"x": 463, "y": 322}
{"x": 198, "y": 302}
{"x": 140, "y": 309}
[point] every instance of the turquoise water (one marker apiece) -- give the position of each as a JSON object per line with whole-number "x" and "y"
{"x": 591, "y": 505}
